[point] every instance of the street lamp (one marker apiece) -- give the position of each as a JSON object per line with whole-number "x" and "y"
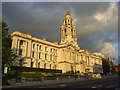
{"x": 75, "y": 59}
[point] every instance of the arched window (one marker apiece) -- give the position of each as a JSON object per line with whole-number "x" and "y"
{"x": 65, "y": 31}
{"x": 45, "y": 66}
{"x": 39, "y": 65}
{"x": 65, "y": 21}
{"x": 72, "y": 31}
{"x": 68, "y": 20}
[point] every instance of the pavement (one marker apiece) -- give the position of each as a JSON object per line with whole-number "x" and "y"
{"x": 47, "y": 82}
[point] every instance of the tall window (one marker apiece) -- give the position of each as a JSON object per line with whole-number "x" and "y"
{"x": 65, "y": 21}
{"x": 20, "y": 51}
{"x": 50, "y": 57}
{"x": 39, "y": 65}
{"x": 45, "y": 56}
{"x": 65, "y": 31}
{"x": 39, "y": 55}
{"x": 40, "y": 47}
{"x": 68, "y": 20}
{"x": 45, "y": 48}
{"x": 31, "y": 64}
{"x": 21, "y": 42}
{"x": 33, "y": 45}
{"x": 45, "y": 66}
{"x": 50, "y": 66}
{"x": 51, "y": 49}
{"x": 33, "y": 54}
{"x": 72, "y": 31}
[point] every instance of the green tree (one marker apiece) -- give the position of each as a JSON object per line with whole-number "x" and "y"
{"x": 7, "y": 53}
{"x": 106, "y": 67}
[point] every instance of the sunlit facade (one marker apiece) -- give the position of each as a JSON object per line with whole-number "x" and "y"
{"x": 40, "y": 53}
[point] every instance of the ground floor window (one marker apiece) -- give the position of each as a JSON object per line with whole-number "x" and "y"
{"x": 50, "y": 66}
{"x": 39, "y": 65}
{"x": 45, "y": 66}
{"x": 31, "y": 64}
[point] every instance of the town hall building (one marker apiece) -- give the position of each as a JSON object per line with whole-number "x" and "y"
{"x": 65, "y": 56}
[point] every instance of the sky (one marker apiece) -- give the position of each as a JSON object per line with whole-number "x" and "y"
{"x": 96, "y": 22}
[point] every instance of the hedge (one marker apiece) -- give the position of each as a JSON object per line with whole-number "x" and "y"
{"x": 28, "y": 69}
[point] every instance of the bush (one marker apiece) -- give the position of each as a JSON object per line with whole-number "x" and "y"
{"x": 28, "y": 69}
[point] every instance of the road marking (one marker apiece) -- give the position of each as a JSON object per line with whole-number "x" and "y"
{"x": 63, "y": 85}
{"x": 100, "y": 86}
{"x": 97, "y": 86}
{"x": 93, "y": 87}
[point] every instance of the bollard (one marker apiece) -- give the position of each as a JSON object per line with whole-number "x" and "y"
{"x": 57, "y": 78}
{"x": 23, "y": 79}
{"x": 68, "y": 76}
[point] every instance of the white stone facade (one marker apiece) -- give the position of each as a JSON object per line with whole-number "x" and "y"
{"x": 39, "y": 53}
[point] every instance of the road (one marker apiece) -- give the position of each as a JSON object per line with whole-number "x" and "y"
{"x": 113, "y": 82}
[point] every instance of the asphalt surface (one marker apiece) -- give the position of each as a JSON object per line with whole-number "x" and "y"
{"x": 112, "y": 82}
{"x": 104, "y": 83}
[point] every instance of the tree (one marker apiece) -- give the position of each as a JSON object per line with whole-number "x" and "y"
{"x": 7, "y": 53}
{"x": 106, "y": 67}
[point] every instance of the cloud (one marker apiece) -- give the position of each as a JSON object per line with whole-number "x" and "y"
{"x": 96, "y": 22}
{"x": 110, "y": 51}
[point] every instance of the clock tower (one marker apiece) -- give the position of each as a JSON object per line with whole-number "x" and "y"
{"x": 68, "y": 31}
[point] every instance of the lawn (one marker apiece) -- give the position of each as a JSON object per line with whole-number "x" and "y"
{"x": 19, "y": 74}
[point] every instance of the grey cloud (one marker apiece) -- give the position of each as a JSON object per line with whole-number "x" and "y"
{"x": 44, "y": 20}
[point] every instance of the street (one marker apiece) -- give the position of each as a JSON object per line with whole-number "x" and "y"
{"x": 113, "y": 82}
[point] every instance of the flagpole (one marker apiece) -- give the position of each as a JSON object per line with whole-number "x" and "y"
{"x": 110, "y": 66}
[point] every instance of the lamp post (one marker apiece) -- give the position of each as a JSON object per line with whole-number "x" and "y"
{"x": 75, "y": 59}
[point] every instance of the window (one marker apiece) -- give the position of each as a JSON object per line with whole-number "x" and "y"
{"x": 40, "y": 47}
{"x": 33, "y": 54}
{"x": 45, "y": 56}
{"x": 39, "y": 55}
{"x": 54, "y": 50}
{"x": 50, "y": 66}
{"x": 45, "y": 48}
{"x": 21, "y": 42}
{"x": 44, "y": 65}
{"x": 39, "y": 65}
{"x": 20, "y": 51}
{"x": 65, "y": 31}
{"x": 37, "y": 47}
{"x": 55, "y": 66}
{"x": 65, "y": 21}
{"x": 51, "y": 49}
{"x": 50, "y": 57}
{"x": 72, "y": 31}
{"x": 33, "y": 45}
{"x": 31, "y": 64}
{"x": 68, "y": 20}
